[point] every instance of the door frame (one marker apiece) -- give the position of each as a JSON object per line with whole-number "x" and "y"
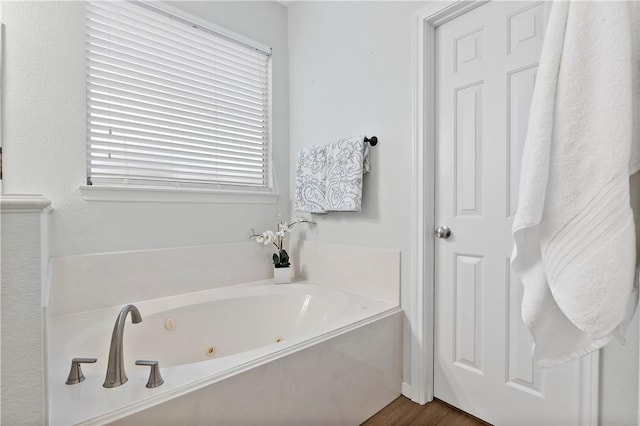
{"x": 422, "y": 312}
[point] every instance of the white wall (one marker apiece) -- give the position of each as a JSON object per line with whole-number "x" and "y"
{"x": 43, "y": 136}
{"x": 44, "y": 132}
{"x": 350, "y": 73}
{"x": 350, "y": 69}
{"x": 619, "y": 363}
{"x": 22, "y": 370}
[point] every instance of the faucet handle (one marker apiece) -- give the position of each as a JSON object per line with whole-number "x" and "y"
{"x": 155, "y": 379}
{"x": 75, "y": 375}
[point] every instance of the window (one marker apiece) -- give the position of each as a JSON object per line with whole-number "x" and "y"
{"x": 173, "y": 103}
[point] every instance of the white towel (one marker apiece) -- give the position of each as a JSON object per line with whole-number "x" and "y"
{"x": 347, "y": 162}
{"x": 311, "y": 175}
{"x": 574, "y": 232}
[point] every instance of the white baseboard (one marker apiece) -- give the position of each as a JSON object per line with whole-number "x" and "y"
{"x": 406, "y": 389}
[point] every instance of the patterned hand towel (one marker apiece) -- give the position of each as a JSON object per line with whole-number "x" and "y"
{"x": 311, "y": 172}
{"x": 347, "y": 162}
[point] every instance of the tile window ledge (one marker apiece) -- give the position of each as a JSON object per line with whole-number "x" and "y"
{"x": 153, "y": 194}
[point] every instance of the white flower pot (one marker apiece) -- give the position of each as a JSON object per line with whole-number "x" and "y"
{"x": 281, "y": 275}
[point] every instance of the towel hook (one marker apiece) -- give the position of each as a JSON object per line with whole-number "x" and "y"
{"x": 373, "y": 140}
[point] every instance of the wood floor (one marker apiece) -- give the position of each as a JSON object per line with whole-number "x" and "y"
{"x": 403, "y": 411}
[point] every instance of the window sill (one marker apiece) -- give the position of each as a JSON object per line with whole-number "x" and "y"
{"x": 154, "y": 194}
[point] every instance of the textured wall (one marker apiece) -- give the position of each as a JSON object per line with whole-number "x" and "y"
{"x": 44, "y": 132}
{"x": 43, "y": 137}
{"x": 619, "y": 363}
{"x": 22, "y": 345}
{"x": 350, "y": 74}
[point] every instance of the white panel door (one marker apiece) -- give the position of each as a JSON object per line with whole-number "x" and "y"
{"x": 486, "y": 63}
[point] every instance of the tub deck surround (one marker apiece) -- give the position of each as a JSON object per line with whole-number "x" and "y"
{"x": 360, "y": 350}
{"x": 253, "y": 316}
{"x": 372, "y": 271}
{"x": 341, "y": 381}
{"x": 94, "y": 281}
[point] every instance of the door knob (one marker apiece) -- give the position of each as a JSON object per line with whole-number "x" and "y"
{"x": 443, "y": 232}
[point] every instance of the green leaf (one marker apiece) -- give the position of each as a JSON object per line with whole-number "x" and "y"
{"x": 284, "y": 257}
{"x": 276, "y": 259}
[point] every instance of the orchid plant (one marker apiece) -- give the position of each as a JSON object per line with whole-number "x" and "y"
{"x": 281, "y": 258}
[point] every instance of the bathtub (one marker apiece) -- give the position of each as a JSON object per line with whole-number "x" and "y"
{"x": 256, "y": 353}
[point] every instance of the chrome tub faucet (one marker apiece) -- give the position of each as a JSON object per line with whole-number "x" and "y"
{"x": 116, "y": 375}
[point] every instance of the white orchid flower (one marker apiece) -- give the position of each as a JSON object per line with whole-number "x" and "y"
{"x": 277, "y": 238}
{"x": 269, "y": 237}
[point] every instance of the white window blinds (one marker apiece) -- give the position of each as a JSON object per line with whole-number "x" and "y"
{"x": 172, "y": 103}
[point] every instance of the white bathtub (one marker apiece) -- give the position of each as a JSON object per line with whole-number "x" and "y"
{"x": 261, "y": 336}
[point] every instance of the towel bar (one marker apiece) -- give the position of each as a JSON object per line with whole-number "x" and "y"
{"x": 373, "y": 140}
